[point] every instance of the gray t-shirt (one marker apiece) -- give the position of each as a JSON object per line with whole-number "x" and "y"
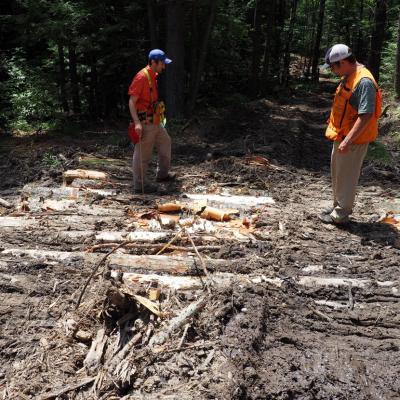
{"x": 363, "y": 97}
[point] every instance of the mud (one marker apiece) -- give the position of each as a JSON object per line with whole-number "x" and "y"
{"x": 252, "y": 340}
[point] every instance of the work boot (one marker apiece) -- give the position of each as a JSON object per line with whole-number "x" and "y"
{"x": 327, "y": 210}
{"x": 170, "y": 177}
{"x": 328, "y": 219}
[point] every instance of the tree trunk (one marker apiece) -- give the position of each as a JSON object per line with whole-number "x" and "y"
{"x": 203, "y": 55}
{"x": 194, "y": 44}
{"x": 76, "y": 105}
{"x": 175, "y": 75}
{"x": 93, "y": 107}
{"x": 279, "y": 26}
{"x": 397, "y": 74}
{"x": 317, "y": 41}
{"x": 152, "y": 23}
{"x": 270, "y": 26}
{"x": 377, "y": 38}
{"x": 61, "y": 78}
{"x": 256, "y": 55}
{"x": 289, "y": 38}
{"x": 359, "y": 42}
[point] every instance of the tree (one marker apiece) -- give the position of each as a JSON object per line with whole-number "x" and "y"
{"x": 317, "y": 42}
{"x": 397, "y": 73}
{"x": 377, "y": 37}
{"x": 176, "y": 50}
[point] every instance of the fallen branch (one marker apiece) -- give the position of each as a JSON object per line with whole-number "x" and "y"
{"x": 133, "y": 245}
{"x": 5, "y": 203}
{"x": 66, "y": 389}
{"x": 177, "y": 322}
{"x": 95, "y": 269}
{"x": 203, "y": 264}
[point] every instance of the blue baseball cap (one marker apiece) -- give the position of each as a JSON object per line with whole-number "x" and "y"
{"x": 159, "y": 55}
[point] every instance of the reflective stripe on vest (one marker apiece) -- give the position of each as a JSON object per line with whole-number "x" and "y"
{"x": 343, "y": 115}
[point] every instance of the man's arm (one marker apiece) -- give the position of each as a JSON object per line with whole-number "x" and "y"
{"x": 134, "y": 115}
{"x": 356, "y": 131}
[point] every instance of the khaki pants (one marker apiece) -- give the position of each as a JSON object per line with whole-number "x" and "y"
{"x": 345, "y": 170}
{"x": 153, "y": 136}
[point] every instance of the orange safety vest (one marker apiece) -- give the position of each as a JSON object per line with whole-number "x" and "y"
{"x": 343, "y": 115}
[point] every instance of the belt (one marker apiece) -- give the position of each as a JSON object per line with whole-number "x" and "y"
{"x": 145, "y": 117}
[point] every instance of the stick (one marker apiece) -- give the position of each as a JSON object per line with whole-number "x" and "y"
{"x": 66, "y": 389}
{"x": 176, "y": 323}
{"x": 184, "y": 335}
{"x": 141, "y": 163}
{"x": 170, "y": 242}
{"x": 95, "y": 269}
{"x": 203, "y": 264}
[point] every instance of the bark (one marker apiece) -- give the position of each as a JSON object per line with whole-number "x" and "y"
{"x": 175, "y": 75}
{"x": 152, "y": 23}
{"x": 73, "y": 73}
{"x": 397, "y": 74}
{"x": 317, "y": 42}
{"x": 62, "y": 79}
{"x": 256, "y": 54}
{"x": 289, "y": 38}
{"x": 203, "y": 54}
{"x": 377, "y": 38}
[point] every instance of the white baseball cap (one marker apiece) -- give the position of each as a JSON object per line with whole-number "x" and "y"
{"x": 336, "y": 53}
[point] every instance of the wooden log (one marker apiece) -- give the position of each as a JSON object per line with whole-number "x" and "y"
{"x": 160, "y": 263}
{"x": 215, "y": 214}
{"x": 237, "y": 201}
{"x": 95, "y": 354}
{"x": 135, "y": 236}
{"x": 179, "y": 283}
{"x": 16, "y": 222}
{"x": 170, "y": 207}
{"x": 5, "y": 203}
{"x": 72, "y": 174}
{"x": 177, "y": 322}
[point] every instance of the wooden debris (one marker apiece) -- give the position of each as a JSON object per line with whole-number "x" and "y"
{"x": 5, "y": 203}
{"x": 154, "y": 294}
{"x": 215, "y": 214}
{"x": 69, "y": 388}
{"x": 237, "y": 201}
{"x": 57, "y": 205}
{"x": 153, "y": 307}
{"x": 135, "y": 236}
{"x": 177, "y": 322}
{"x": 72, "y": 174}
{"x": 168, "y": 221}
{"x": 95, "y": 354}
{"x": 256, "y": 160}
{"x": 170, "y": 207}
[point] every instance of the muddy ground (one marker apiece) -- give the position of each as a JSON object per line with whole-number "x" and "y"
{"x": 252, "y": 339}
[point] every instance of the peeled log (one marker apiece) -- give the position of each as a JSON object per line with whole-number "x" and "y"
{"x": 72, "y": 174}
{"x": 215, "y": 214}
{"x": 169, "y": 207}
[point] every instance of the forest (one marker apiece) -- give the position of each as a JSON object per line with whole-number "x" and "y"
{"x": 63, "y": 60}
{"x": 265, "y": 264}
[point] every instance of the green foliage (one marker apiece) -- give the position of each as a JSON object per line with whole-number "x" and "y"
{"x": 111, "y": 41}
{"x": 50, "y": 160}
{"x": 378, "y": 152}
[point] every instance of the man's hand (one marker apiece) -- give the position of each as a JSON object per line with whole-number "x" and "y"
{"x": 344, "y": 146}
{"x": 139, "y": 129}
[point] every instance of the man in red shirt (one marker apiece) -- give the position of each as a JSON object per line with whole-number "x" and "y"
{"x": 144, "y": 106}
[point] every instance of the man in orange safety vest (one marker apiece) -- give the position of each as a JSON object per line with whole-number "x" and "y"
{"x": 352, "y": 125}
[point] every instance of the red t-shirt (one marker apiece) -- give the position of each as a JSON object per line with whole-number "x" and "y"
{"x": 140, "y": 88}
